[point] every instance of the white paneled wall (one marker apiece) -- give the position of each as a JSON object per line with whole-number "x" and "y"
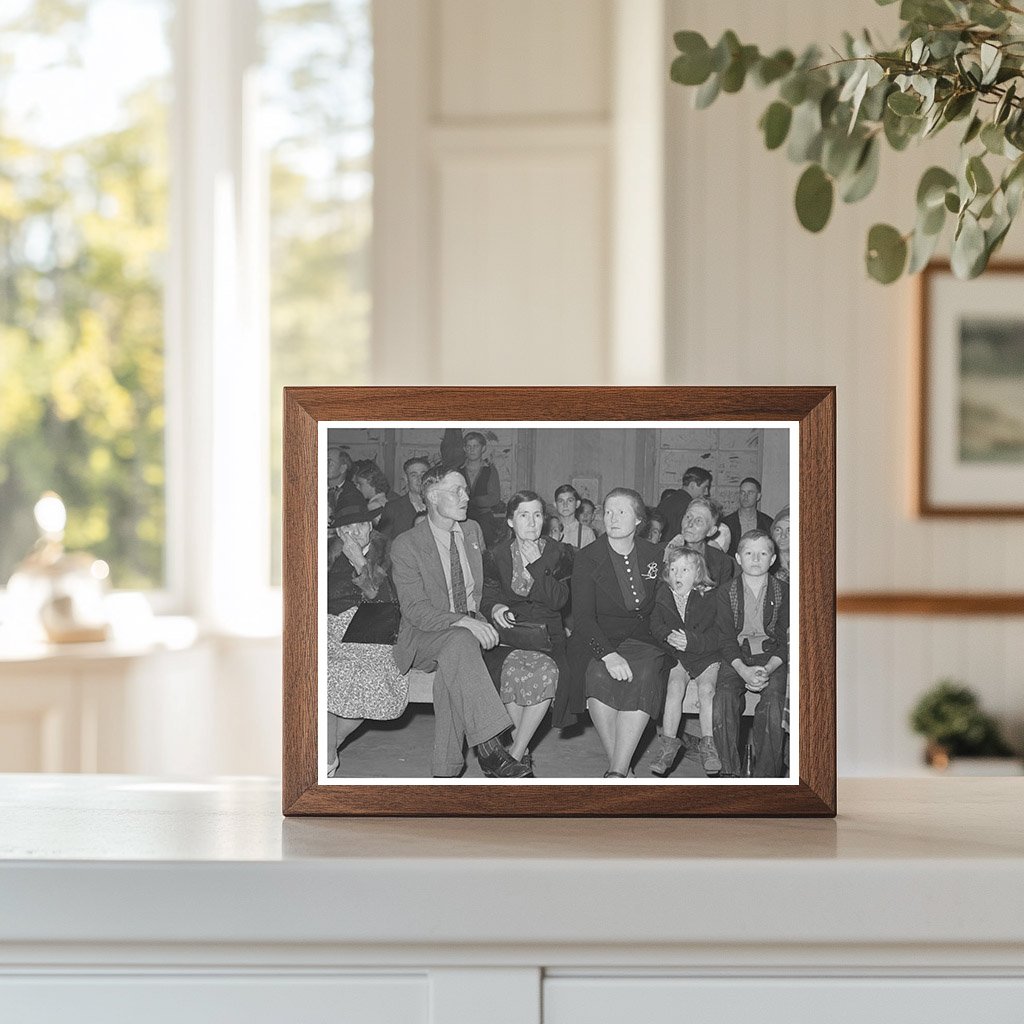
{"x": 752, "y": 297}
{"x": 515, "y": 186}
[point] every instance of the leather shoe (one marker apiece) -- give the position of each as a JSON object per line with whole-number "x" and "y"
{"x": 500, "y": 764}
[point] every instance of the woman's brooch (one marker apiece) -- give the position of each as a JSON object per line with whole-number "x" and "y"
{"x": 652, "y": 571}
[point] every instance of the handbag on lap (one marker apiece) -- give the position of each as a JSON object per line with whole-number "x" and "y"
{"x": 526, "y": 636}
{"x": 374, "y": 623}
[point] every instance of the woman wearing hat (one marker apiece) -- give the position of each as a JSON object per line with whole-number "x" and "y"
{"x": 363, "y": 680}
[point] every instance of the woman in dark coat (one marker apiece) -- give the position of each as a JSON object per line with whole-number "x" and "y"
{"x": 526, "y": 581}
{"x": 612, "y": 653}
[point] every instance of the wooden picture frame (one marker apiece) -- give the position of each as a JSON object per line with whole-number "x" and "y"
{"x": 808, "y": 413}
{"x": 969, "y": 446}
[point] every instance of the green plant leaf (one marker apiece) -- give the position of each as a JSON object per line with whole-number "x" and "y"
{"x": 993, "y": 138}
{"x": 931, "y": 191}
{"x": 987, "y": 15}
{"x": 805, "y": 133}
{"x": 775, "y": 124}
{"x": 978, "y": 176}
{"x": 865, "y": 174}
{"x": 771, "y": 69}
{"x": 707, "y": 93}
{"x": 735, "y": 74}
{"x": 814, "y": 193}
{"x": 839, "y": 151}
{"x": 952, "y": 202}
{"x": 1004, "y": 106}
{"x": 903, "y": 103}
{"x": 725, "y": 50}
{"x": 991, "y": 60}
{"x": 958, "y": 105}
{"x": 887, "y": 253}
{"x": 968, "y": 248}
{"x": 693, "y": 65}
{"x": 794, "y": 89}
{"x": 922, "y": 247}
{"x": 973, "y": 129}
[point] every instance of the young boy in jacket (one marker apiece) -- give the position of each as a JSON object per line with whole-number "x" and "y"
{"x": 753, "y": 623}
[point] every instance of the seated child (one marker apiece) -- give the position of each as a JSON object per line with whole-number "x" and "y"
{"x": 753, "y": 627}
{"x": 683, "y": 620}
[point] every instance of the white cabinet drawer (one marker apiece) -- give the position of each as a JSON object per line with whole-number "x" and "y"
{"x": 202, "y": 999}
{"x": 569, "y": 1000}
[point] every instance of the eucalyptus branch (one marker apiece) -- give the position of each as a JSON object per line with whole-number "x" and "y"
{"x": 833, "y": 117}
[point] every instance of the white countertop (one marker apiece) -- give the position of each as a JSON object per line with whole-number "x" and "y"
{"x": 124, "y": 859}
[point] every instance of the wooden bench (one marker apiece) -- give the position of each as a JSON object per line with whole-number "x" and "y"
{"x": 421, "y": 691}
{"x": 421, "y": 686}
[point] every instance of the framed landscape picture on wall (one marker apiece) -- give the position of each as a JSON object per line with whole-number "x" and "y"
{"x": 970, "y": 451}
{"x": 558, "y": 601}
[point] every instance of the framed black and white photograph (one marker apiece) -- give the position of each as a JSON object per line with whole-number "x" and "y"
{"x": 559, "y": 601}
{"x": 970, "y": 455}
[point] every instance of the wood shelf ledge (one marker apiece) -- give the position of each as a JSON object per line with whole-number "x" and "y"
{"x": 928, "y": 603}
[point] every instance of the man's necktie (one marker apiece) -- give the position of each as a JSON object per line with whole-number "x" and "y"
{"x": 458, "y": 580}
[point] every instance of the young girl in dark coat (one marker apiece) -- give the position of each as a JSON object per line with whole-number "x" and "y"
{"x": 683, "y": 620}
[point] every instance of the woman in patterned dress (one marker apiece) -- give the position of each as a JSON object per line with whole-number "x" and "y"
{"x": 526, "y": 580}
{"x": 363, "y": 680}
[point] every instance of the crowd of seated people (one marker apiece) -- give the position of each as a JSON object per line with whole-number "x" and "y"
{"x": 521, "y": 609}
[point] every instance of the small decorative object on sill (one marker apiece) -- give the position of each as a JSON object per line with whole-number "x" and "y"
{"x": 958, "y": 731}
{"x": 62, "y": 595}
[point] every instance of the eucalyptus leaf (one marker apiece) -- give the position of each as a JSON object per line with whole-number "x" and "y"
{"x": 771, "y": 69}
{"x": 968, "y": 247}
{"x": 724, "y": 50}
{"x": 931, "y": 190}
{"x": 932, "y": 221}
{"x": 958, "y": 105}
{"x": 987, "y": 15}
{"x": 814, "y": 194}
{"x": 972, "y": 131}
{"x": 840, "y": 152}
{"x": 735, "y": 74}
{"x": 775, "y": 123}
{"x": 903, "y": 103}
{"x": 922, "y": 248}
{"x": 978, "y": 175}
{"x": 993, "y": 138}
{"x": 707, "y": 93}
{"x": 873, "y": 106}
{"x": 865, "y": 174}
{"x": 805, "y": 133}
{"x": 886, "y": 253}
{"x": 794, "y": 88}
{"x": 952, "y": 202}
{"x": 1004, "y": 106}
{"x": 991, "y": 59}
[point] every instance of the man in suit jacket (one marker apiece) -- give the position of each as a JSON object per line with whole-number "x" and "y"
{"x": 438, "y": 573}
{"x": 400, "y": 513}
{"x": 748, "y": 516}
{"x": 696, "y": 484}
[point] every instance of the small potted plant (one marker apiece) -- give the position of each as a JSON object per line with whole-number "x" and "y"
{"x": 950, "y": 717}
